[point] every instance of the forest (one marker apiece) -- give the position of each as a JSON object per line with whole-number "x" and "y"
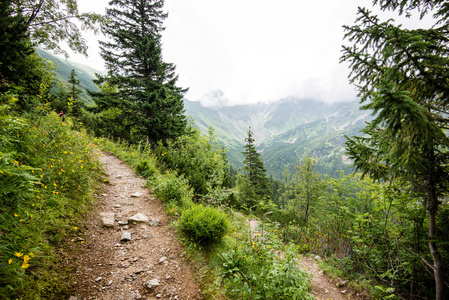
{"x": 383, "y": 227}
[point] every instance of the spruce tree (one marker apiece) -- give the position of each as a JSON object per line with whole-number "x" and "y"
{"x": 254, "y": 182}
{"x": 403, "y": 78}
{"x": 147, "y": 99}
{"x": 15, "y": 46}
{"x": 75, "y": 103}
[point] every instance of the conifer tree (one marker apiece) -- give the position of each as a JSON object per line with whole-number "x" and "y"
{"x": 147, "y": 98}
{"x": 75, "y": 91}
{"x": 403, "y": 78}
{"x": 254, "y": 182}
{"x": 15, "y": 45}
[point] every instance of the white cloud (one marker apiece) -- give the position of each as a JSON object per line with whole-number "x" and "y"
{"x": 253, "y": 50}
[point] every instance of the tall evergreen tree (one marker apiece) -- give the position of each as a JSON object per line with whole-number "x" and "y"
{"x": 15, "y": 45}
{"x": 75, "y": 103}
{"x": 254, "y": 182}
{"x": 147, "y": 98}
{"x": 403, "y": 78}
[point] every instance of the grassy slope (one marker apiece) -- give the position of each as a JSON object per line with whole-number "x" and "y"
{"x": 49, "y": 174}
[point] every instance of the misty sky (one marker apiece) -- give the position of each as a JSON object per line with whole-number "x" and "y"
{"x": 252, "y": 50}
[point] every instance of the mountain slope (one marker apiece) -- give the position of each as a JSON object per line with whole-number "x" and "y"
{"x": 285, "y": 131}
{"x": 63, "y": 68}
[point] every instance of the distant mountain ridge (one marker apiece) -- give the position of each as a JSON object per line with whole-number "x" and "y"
{"x": 285, "y": 131}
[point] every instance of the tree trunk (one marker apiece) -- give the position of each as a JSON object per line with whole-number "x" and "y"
{"x": 437, "y": 261}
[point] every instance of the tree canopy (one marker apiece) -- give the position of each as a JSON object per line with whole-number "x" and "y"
{"x": 49, "y": 22}
{"x": 146, "y": 97}
{"x": 402, "y": 75}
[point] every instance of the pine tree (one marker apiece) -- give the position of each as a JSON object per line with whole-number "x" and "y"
{"x": 75, "y": 101}
{"x": 147, "y": 99}
{"x": 254, "y": 182}
{"x": 15, "y": 46}
{"x": 403, "y": 78}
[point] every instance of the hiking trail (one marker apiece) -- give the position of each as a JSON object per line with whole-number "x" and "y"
{"x": 126, "y": 249}
{"x": 119, "y": 258}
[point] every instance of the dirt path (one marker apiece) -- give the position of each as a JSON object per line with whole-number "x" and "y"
{"x": 108, "y": 267}
{"x": 323, "y": 287}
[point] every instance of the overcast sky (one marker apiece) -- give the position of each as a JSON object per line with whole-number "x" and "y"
{"x": 252, "y": 50}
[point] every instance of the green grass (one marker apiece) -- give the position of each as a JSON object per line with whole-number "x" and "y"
{"x": 48, "y": 173}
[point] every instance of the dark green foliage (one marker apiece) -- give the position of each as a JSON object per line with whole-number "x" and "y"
{"x": 204, "y": 224}
{"x": 199, "y": 158}
{"x": 405, "y": 83}
{"x": 253, "y": 183}
{"x": 173, "y": 188}
{"x": 145, "y": 98}
{"x": 146, "y": 168}
{"x": 15, "y": 46}
{"x": 74, "y": 102}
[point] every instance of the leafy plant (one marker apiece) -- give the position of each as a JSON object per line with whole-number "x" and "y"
{"x": 204, "y": 224}
{"x": 170, "y": 187}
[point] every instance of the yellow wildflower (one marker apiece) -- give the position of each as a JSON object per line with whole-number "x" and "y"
{"x": 16, "y": 215}
{"x": 10, "y": 261}
{"x": 18, "y": 254}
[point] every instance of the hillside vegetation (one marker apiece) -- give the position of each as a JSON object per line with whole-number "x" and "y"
{"x": 286, "y": 131}
{"x": 385, "y": 229}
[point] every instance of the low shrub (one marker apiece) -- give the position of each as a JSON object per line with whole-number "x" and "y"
{"x": 256, "y": 272}
{"x": 204, "y": 225}
{"x": 146, "y": 168}
{"x": 172, "y": 188}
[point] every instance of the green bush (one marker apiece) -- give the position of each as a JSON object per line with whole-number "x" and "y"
{"x": 172, "y": 188}
{"x": 205, "y": 225}
{"x": 255, "y": 271}
{"x": 197, "y": 157}
{"x": 146, "y": 168}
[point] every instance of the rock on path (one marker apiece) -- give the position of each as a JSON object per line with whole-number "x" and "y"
{"x": 127, "y": 258}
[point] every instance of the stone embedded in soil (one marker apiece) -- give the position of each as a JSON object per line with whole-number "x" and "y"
{"x": 342, "y": 284}
{"x": 152, "y": 283}
{"x": 126, "y": 236}
{"x": 119, "y": 176}
{"x": 136, "y": 195}
{"x": 121, "y": 223}
{"x": 154, "y": 223}
{"x": 108, "y": 219}
{"x": 139, "y": 217}
{"x": 137, "y": 295}
{"x": 162, "y": 259}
